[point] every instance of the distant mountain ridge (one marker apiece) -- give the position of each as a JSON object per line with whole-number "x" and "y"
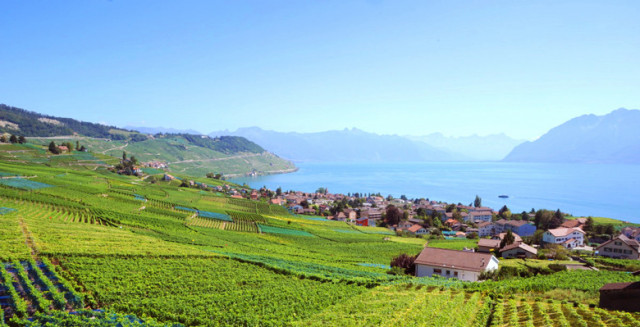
{"x": 611, "y": 138}
{"x": 351, "y": 145}
{"x": 484, "y": 148}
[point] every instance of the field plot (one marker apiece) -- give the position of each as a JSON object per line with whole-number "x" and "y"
{"x": 23, "y": 184}
{"x": 512, "y": 312}
{"x": 209, "y": 292}
{"x": 406, "y": 306}
{"x": 285, "y": 231}
{"x": 29, "y": 287}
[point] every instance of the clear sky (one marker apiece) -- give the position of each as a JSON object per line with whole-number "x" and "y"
{"x": 391, "y": 67}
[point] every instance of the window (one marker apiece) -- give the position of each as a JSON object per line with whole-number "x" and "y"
{"x": 618, "y": 243}
{"x": 448, "y": 272}
{"x": 455, "y": 274}
{"x": 437, "y": 271}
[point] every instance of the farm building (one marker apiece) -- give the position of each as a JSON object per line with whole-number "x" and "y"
{"x": 621, "y": 296}
{"x": 518, "y": 250}
{"x": 620, "y": 247}
{"x": 463, "y": 265}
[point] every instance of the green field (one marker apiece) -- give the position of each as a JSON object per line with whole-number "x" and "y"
{"x": 141, "y": 254}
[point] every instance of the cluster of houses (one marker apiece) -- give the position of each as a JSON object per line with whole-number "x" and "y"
{"x": 624, "y": 246}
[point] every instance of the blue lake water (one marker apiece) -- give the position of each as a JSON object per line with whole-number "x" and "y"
{"x": 580, "y": 189}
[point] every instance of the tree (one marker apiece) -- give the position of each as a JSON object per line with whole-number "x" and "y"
{"x": 537, "y": 237}
{"x": 124, "y": 155}
{"x": 22, "y": 140}
{"x": 279, "y": 191}
{"x": 406, "y": 262}
{"x": 304, "y": 204}
{"x": 556, "y": 220}
{"x": 609, "y": 229}
{"x": 390, "y": 197}
{"x": 13, "y": 139}
{"x": 504, "y": 212}
{"x": 403, "y": 197}
{"x": 508, "y": 239}
{"x": 588, "y": 225}
{"x": 393, "y": 215}
{"x": 53, "y": 148}
{"x": 78, "y": 145}
{"x": 477, "y": 202}
{"x": 321, "y": 190}
{"x": 3, "y": 139}
{"x": 525, "y": 216}
{"x": 450, "y": 208}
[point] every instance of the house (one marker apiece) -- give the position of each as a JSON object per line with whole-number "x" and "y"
{"x": 516, "y": 237}
{"x": 480, "y": 215}
{"x": 168, "y": 177}
{"x": 567, "y": 237}
{"x": 364, "y": 221}
{"x": 488, "y": 246}
{"x": 485, "y": 229}
{"x": 620, "y": 247}
{"x": 63, "y": 148}
{"x": 462, "y": 265}
{"x": 620, "y": 296}
{"x": 574, "y": 223}
{"x": 519, "y": 250}
{"x": 632, "y": 233}
{"x": 417, "y": 230}
{"x": 520, "y": 227}
{"x": 451, "y": 222}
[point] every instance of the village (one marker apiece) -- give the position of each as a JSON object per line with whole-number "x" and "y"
{"x": 493, "y": 235}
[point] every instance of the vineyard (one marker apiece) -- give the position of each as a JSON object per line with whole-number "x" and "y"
{"x": 97, "y": 248}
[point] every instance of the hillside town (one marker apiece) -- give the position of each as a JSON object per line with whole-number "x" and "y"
{"x": 528, "y": 231}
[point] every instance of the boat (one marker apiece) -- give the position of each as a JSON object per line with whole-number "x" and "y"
{"x": 502, "y": 196}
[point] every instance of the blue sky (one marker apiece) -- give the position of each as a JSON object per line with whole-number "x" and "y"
{"x": 391, "y": 67}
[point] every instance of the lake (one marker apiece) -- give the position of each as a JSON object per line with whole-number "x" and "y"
{"x": 580, "y": 189}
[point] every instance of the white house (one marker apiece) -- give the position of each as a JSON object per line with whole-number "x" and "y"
{"x": 485, "y": 229}
{"x": 480, "y": 215}
{"x": 462, "y": 265}
{"x": 567, "y": 237}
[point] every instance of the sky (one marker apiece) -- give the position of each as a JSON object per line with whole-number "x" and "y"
{"x": 389, "y": 67}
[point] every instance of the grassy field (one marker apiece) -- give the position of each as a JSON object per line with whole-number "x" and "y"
{"x": 140, "y": 250}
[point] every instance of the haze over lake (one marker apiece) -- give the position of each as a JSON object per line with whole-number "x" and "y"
{"x": 602, "y": 190}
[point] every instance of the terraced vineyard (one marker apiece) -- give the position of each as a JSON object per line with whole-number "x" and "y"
{"x": 96, "y": 240}
{"x": 512, "y": 312}
{"x": 29, "y": 287}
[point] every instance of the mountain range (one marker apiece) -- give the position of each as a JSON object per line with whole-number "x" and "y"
{"x": 611, "y": 138}
{"x": 349, "y": 145}
{"x": 356, "y": 145}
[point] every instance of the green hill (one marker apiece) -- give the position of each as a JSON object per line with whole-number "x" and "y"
{"x": 194, "y": 155}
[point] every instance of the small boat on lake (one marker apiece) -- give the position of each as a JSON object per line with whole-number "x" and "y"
{"x": 502, "y": 196}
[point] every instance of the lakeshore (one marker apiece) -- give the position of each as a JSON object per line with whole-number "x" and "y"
{"x": 580, "y": 189}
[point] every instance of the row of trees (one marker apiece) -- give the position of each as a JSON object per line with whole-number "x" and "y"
{"x": 13, "y": 139}
{"x": 56, "y": 149}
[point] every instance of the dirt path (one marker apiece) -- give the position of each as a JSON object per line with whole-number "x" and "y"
{"x": 241, "y": 156}
{"x": 28, "y": 239}
{"x": 115, "y": 148}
